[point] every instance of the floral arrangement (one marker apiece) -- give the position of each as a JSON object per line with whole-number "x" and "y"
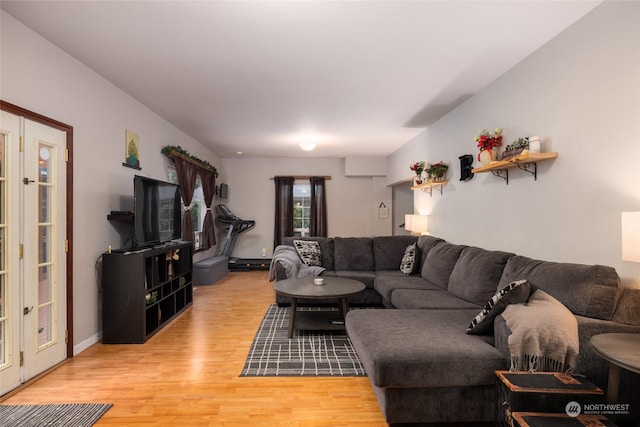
{"x": 417, "y": 167}
{"x": 173, "y": 255}
{"x": 488, "y": 141}
{"x": 437, "y": 170}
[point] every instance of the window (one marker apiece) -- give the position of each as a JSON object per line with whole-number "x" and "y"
{"x": 301, "y": 209}
{"x": 198, "y": 210}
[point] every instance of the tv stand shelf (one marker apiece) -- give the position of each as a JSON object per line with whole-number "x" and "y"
{"x": 120, "y": 216}
{"x": 142, "y": 291}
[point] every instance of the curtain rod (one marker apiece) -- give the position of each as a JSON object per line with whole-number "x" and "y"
{"x": 301, "y": 177}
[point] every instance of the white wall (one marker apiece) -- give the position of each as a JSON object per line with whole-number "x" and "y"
{"x": 38, "y": 76}
{"x": 351, "y": 201}
{"x": 402, "y": 205}
{"x": 581, "y": 94}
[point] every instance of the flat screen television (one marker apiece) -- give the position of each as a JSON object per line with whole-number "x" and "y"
{"x": 157, "y": 211}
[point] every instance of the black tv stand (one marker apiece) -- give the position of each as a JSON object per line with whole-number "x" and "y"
{"x": 143, "y": 290}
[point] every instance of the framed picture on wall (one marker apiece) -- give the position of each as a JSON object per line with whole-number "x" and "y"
{"x": 131, "y": 150}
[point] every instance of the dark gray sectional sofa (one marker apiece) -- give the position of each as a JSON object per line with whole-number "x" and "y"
{"x": 423, "y": 366}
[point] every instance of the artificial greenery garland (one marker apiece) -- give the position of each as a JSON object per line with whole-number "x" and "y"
{"x": 167, "y": 150}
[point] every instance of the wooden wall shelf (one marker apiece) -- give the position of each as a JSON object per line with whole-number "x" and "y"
{"x": 526, "y": 162}
{"x": 428, "y": 186}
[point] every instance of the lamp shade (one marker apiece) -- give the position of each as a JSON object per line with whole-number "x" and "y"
{"x": 418, "y": 224}
{"x": 408, "y": 219}
{"x": 631, "y": 236}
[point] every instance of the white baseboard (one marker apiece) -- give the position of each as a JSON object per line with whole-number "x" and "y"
{"x": 82, "y": 346}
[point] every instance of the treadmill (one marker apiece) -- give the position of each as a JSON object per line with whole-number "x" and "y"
{"x": 235, "y": 227}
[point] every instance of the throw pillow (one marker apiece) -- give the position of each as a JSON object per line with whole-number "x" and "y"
{"x": 309, "y": 251}
{"x": 514, "y": 293}
{"x": 408, "y": 263}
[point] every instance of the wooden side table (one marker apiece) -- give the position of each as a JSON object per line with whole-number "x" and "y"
{"x": 621, "y": 351}
{"x": 541, "y": 392}
{"x": 533, "y": 419}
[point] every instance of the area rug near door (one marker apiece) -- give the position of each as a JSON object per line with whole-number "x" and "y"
{"x": 54, "y": 415}
{"x": 307, "y": 353}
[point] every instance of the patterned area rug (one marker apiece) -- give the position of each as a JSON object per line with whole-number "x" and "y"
{"x": 307, "y": 353}
{"x": 56, "y": 415}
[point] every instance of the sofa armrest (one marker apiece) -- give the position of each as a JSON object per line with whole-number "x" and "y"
{"x": 280, "y": 271}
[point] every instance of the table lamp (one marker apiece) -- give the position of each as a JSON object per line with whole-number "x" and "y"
{"x": 631, "y": 236}
{"x": 417, "y": 224}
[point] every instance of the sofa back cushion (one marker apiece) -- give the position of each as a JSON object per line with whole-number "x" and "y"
{"x": 425, "y": 243}
{"x": 354, "y": 254}
{"x": 440, "y": 262}
{"x": 389, "y": 250}
{"x": 586, "y": 290}
{"x": 326, "y": 249}
{"x": 477, "y": 274}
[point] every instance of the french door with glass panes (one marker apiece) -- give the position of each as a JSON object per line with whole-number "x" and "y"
{"x": 33, "y": 272}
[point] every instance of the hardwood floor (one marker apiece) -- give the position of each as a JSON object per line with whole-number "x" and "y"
{"x": 187, "y": 374}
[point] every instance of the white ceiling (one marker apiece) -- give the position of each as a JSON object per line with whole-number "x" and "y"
{"x": 363, "y": 77}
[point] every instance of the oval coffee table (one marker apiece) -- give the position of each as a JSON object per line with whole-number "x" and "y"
{"x": 303, "y": 287}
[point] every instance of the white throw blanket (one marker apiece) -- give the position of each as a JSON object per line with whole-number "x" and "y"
{"x": 288, "y": 257}
{"x": 544, "y": 335}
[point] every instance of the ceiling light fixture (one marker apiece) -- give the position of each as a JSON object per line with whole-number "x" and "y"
{"x": 307, "y": 146}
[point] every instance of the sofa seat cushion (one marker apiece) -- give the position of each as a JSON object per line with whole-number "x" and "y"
{"x": 587, "y": 290}
{"x": 386, "y": 284}
{"x": 366, "y": 277}
{"x": 354, "y": 253}
{"x": 430, "y": 299}
{"x": 422, "y": 348}
{"x": 389, "y": 250}
{"x": 440, "y": 262}
{"x": 392, "y": 273}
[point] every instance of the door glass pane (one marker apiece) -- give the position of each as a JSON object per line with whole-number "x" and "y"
{"x": 44, "y": 211}
{"x": 44, "y": 163}
{"x": 45, "y": 239}
{"x": 44, "y": 324}
{"x": 3, "y": 359}
{"x": 3, "y": 196}
{"x": 2, "y": 151}
{"x": 44, "y": 284}
{"x": 3, "y": 255}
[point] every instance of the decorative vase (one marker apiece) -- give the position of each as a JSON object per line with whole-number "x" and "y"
{"x": 534, "y": 144}
{"x": 170, "y": 269}
{"x": 487, "y": 156}
{"x": 418, "y": 179}
{"x": 437, "y": 177}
